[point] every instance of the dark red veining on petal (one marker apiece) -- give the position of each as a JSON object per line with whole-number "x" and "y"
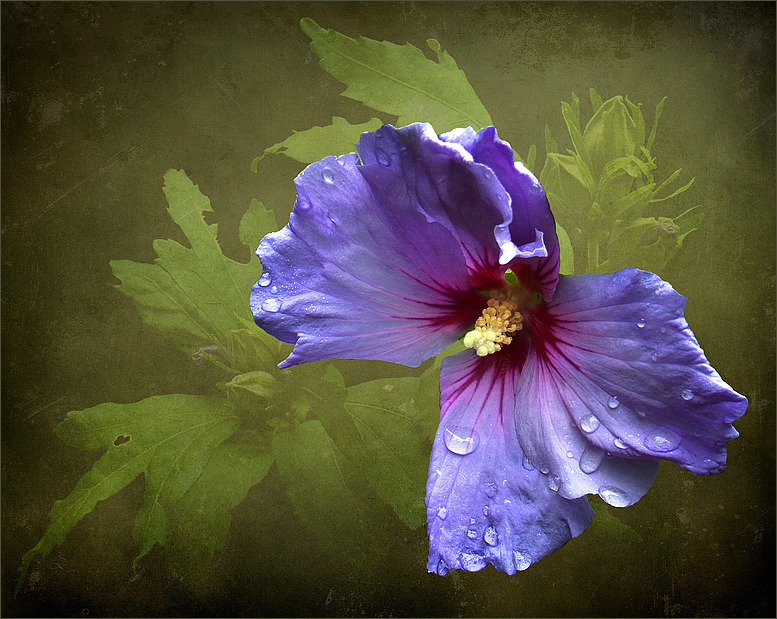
{"x": 543, "y": 328}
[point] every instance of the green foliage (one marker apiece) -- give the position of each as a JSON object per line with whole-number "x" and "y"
{"x": 167, "y": 438}
{"x": 601, "y": 192}
{"x": 196, "y": 296}
{"x": 316, "y": 143}
{"x": 607, "y": 526}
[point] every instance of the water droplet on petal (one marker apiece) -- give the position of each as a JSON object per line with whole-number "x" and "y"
{"x": 271, "y": 305}
{"x": 620, "y": 444}
{"x": 383, "y": 159}
{"x": 274, "y": 290}
{"x": 265, "y": 279}
{"x": 442, "y": 567}
{"x": 442, "y": 512}
{"x": 687, "y": 395}
{"x": 663, "y": 329}
{"x": 491, "y": 537}
{"x": 472, "y": 562}
{"x": 614, "y": 496}
{"x": 522, "y": 560}
{"x": 570, "y": 454}
{"x": 662, "y": 440}
{"x": 654, "y": 356}
{"x": 490, "y": 489}
{"x": 590, "y": 459}
{"x": 553, "y": 482}
{"x": 527, "y": 465}
{"x": 329, "y": 177}
{"x": 613, "y": 402}
{"x": 543, "y": 468}
{"x": 589, "y": 423}
{"x": 471, "y": 533}
{"x": 641, "y": 323}
{"x": 485, "y": 510}
{"x": 461, "y": 441}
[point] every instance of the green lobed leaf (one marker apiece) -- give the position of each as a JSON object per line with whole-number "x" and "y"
{"x": 195, "y": 296}
{"x": 203, "y": 516}
{"x": 399, "y": 79}
{"x": 316, "y": 143}
{"x": 394, "y": 450}
{"x": 168, "y": 438}
{"x": 329, "y": 496}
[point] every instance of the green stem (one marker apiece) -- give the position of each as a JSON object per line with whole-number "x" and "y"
{"x": 593, "y": 254}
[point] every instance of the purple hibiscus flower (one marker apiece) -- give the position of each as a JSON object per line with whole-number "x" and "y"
{"x": 569, "y": 386}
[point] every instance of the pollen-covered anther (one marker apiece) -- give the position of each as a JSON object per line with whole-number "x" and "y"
{"x": 492, "y": 330}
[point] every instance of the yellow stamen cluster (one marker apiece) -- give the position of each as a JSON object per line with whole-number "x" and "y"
{"x": 492, "y": 329}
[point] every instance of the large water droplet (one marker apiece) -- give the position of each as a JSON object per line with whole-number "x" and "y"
{"x": 641, "y": 323}
{"x": 328, "y": 176}
{"x": 590, "y": 459}
{"x": 614, "y": 496}
{"x": 522, "y": 560}
{"x": 461, "y": 441}
{"x": 491, "y": 537}
{"x": 662, "y": 440}
{"x": 472, "y": 562}
{"x": 613, "y": 402}
{"x": 527, "y": 465}
{"x": 472, "y": 534}
{"x": 589, "y": 423}
{"x": 442, "y": 512}
{"x": 265, "y": 279}
{"x": 620, "y": 444}
{"x": 686, "y": 395}
{"x": 271, "y": 305}
{"x": 490, "y": 489}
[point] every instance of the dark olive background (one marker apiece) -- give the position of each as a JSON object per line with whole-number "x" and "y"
{"x": 100, "y": 99}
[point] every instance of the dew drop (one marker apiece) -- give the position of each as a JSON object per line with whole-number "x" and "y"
{"x": 662, "y": 440}
{"x": 442, "y": 567}
{"x": 472, "y": 534}
{"x": 329, "y": 177}
{"x": 613, "y": 402}
{"x": 686, "y": 395}
{"x": 553, "y": 483}
{"x": 442, "y": 512}
{"x": 654, "y": 356}
{"x": 590, "y": 459}
{"x": 472, "y": 520}
{"x": 522, "y": 560}
{"x": 663, "y": 329}
{"x": 527, "y": 464}
{"x": 570, "y": 454}
{"x": 490, "y": 489}
{"x": 383, "y": 159}
{"x": 589, "y": 423}
{"x": 486, "y": 510}
{"x": 265, "y": 280}
{"x": 614, "y": 496}
{"x": 274, "y": 290}
{"x": 472, "y": 562}
{"x": 620, "y": 444}
{"x": 491, "y": 537}
{"x": 641, "y": 323}
{"x": 461, "y": 441}
{"x": 271, "y": 305}
{"x": 543, "y": 468}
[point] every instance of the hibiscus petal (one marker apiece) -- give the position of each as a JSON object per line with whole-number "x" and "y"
{"x": 384, "y": 260}
{"x": 445, "y": 184}
{"x": 532, "y": 226}
{"x": 616, "y": 381}
{"x": 484, "y": 503}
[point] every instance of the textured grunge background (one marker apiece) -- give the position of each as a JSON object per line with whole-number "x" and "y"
{"x": 100, "y": 99}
